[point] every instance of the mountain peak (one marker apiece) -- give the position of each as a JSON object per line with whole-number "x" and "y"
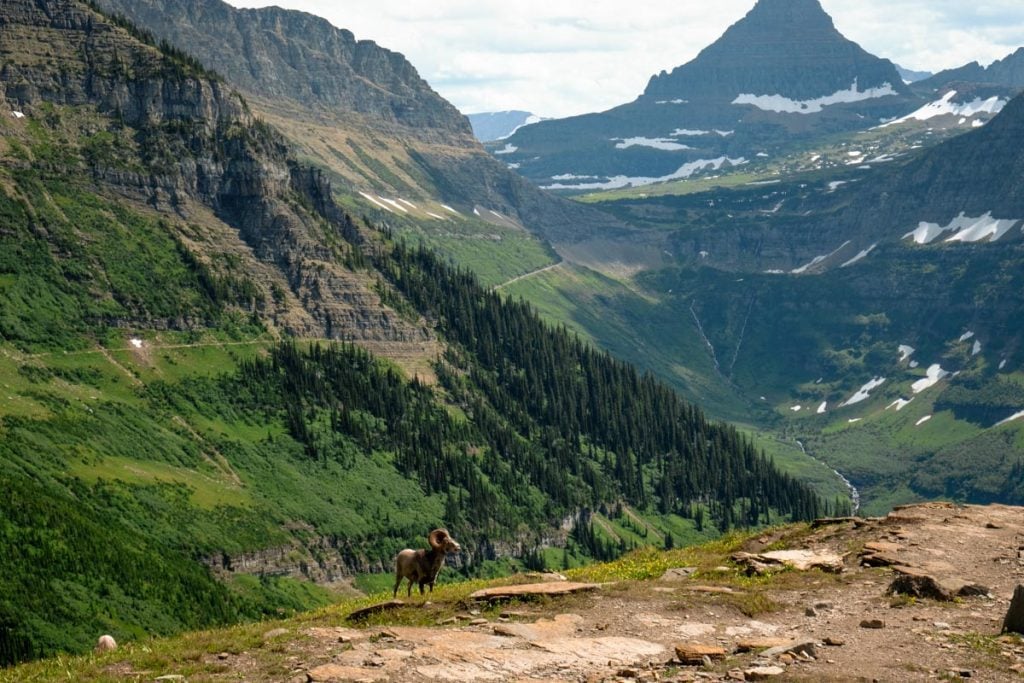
{"x": 781, "y": 47}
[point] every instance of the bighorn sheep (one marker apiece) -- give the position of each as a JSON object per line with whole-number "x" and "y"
{"x": 423, "y": 566}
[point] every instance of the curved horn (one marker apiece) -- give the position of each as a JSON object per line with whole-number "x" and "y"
{"x": 436, "y": 538}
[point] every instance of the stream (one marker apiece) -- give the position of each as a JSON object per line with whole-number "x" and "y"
{"x": 854, "y": 493}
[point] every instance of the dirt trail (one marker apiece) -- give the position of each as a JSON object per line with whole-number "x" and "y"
{"x": 630, "y": 631}
{"x": 532, "y": 273}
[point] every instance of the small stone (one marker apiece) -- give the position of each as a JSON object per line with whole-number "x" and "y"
{"x": 942, "y": 626}
{"x": 678, "y": 573}
{"x": 834, "y": 642}
{"x": 223, "y": 655}
{"x": 474, "y": 612}
{"x": 966, "y": 674}
{"x": 478, "y": 622}
{"x": 823, "y": 606}
{"x": 872, "y": 624}
{"x": 793, "y": 648}
{"x": 763, "y": 673}
{"x": 627, "y": 673}
{"x": 170, "y": 677}
{"x": 707, "y": 662}
{"x": 810, "y": 612}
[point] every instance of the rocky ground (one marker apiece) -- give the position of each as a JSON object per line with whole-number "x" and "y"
{"x": 825, "y": 613}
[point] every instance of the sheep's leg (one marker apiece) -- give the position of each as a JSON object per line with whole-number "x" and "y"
{"x": 421, "y": 587}
{"x": 408, "y": 593}
{"x": 398, "y": 582}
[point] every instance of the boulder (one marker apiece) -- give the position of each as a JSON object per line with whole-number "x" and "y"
{"x": 919, "y": 584}
{"x": 763, "y": 673}
{"x": 694, "y": 653}
{"x": 106, "y": 644}
{"x": 872, "y": 624}
{"x": 1014, "y": 622}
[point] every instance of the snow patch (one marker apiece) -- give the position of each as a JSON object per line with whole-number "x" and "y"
{"x": 508, "y": 149}
{"x": 476, "y": 212}
{"x": 906, "y": 351}
{"x": 856, "y": 420}
{"x": 530, "y": 120}
{"x": 663, "y": 144}
{"x": 450, "y": 209}
{"x": 395, "y": 204}
{"x": 570, "y": 176}
{"x": 977, "y": 348}
{"x": 935, "y": 375}
{"x": 947, "y": 107}
{"x": 914, "y": 364}
{"x": 1002, "y": 365}
{"x": 899, "y": 404}
{"x": 1010, "y": 419}
{"x": 859, "y": 257}
{"x": 408, "y": 203}
{"x": 434, "y": 215}
{"x": 681, "y": 132}
{"x": 819, "y": 259}
{"x": 136, "y": 342}
{"x": 17, "y": 114}
{"x": 784, "y": 105}
{"x": 924, "y": 419}
{"x": 823, "y": 408}
{"x": 964, "y": 229}
{"x": 377, "y": 203}
{"x": 797, "y": 409}
{"x": 865, "y": 392}
{"x": 685, "y": 171}
{"x": 671, "y": 102}
{"x": 967, "y": 336}
{"x": 836, "y": 184}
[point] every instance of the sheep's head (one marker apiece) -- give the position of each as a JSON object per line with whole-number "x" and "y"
{"x": 440, "y": 539}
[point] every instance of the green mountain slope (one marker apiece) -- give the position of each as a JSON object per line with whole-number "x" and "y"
{"x": 176, "y": 446}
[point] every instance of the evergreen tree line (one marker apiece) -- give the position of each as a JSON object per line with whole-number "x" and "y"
{"x": 600, "y": 423}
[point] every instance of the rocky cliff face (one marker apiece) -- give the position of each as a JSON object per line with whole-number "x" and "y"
{"x": 356, "y": 109}
{"x": 279, "y": 54}
{"x": 200, "y": 149}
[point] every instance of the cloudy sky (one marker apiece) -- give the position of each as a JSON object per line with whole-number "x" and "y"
{"x": 565, "y": 57}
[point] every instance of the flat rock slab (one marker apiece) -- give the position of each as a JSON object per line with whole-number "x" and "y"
{"x": 755, "y": 644}
{"x": 805, "y": 560}
{"x": 763, "y": 673}
{"x": 712, "y": 590}
{"x": 694, "y": 653}
{"x": 334, "y": 673}
{"x": 533, "y": 589}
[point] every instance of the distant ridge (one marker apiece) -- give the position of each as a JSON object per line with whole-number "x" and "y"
{"x": 491, "y": 126}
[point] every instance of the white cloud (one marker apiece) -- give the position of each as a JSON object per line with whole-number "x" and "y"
{"x": 571, "y": 57}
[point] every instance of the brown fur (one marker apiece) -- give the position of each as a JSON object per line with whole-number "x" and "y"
{"x": 423, "y": 566}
